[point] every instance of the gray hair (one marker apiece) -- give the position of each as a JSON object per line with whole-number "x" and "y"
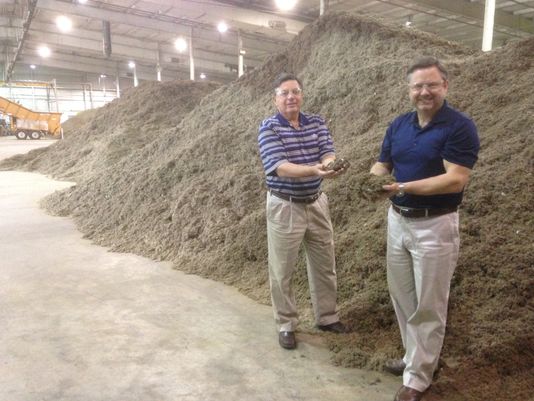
{"x": 427, "y": 62}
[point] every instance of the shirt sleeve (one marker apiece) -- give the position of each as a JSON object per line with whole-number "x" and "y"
{"x": 272, "y": 151}
{"x": 385, "y": 152}
{"x": 463, "y": 145}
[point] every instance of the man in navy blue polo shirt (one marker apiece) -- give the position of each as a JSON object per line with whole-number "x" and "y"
{"x": 431, "y": 152}
{"x": 296, "y": 149}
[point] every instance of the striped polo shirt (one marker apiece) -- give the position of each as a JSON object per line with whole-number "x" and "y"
{"x": 279, "y": 143}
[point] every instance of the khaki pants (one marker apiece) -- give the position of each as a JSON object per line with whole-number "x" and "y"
{"x": 288, "y": 225}
{"x": 421, "y": 258}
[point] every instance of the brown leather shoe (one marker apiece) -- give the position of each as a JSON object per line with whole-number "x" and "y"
{"x": 408, "y": 394}
{"x": 337, "y": 327}
{"x": 287, "y": 339}
{"x": 395, "y": 366}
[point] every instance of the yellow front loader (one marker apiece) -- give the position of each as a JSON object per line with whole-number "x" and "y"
{"x": 25, "y": 123}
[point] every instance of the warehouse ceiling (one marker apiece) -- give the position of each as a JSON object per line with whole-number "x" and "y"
{"x": 144, "y": 31}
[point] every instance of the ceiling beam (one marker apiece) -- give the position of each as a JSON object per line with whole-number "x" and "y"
{"x": 8, "y": 32}
{"x": 62, "y": 44}
{"x": 122, "y": 43}
{"x": 110, "y": 68}
{"x": 175, "y": 25}
{"x": 243, "y": 14}
{"x": 476, "y": 10}
{"x": 25, "y": 28}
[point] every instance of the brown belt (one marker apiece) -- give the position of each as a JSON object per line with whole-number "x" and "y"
{"x": 307, "y": 200}
{"x": 416, "y": 213}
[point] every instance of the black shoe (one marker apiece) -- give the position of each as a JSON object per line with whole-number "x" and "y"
{"x": 395, "y": 366}
{"x": 336, "y": 327}
{"x": 287, "y": 340}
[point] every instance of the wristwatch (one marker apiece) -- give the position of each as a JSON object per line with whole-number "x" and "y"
{"x": 401, "y": 189}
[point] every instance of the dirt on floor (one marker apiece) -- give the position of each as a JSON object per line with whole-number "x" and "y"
{"x": 189, "y": 187}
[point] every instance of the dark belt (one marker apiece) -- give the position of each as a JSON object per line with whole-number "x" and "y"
{"x": 416, "y": 213}
{"x": 307, "y": 200}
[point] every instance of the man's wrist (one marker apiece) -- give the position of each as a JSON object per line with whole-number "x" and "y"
{"x": 402, "y": 188}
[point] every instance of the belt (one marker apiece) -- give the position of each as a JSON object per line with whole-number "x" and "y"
{"x": 307, "y": 200}
{"x": 422, "y": 212}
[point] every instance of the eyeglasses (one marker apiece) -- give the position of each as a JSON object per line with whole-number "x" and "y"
{"x": 285, "y": 92}
{"x": 430, "y": 86}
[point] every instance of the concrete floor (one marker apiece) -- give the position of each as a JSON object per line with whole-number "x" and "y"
{"x": 80, "y": 323}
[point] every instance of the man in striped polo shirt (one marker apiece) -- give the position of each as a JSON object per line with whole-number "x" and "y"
{"x": 295, "y": 150}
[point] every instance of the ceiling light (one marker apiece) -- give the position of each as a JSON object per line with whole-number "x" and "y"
{"x": 242, "y": 51}
{"x": 102, "y": 75}
{"x": 202, "y": 75}
{"x": 82, "y": 1}
{"x": 285, "y": 5}
{"x": 180, "y": 44}
{"x": 44, "y": 51}
{"x": 64, "y": 23}
{"x": 32, "y": 66}
{"x": 222, "y": 27}
{"x": 131, "y": 64}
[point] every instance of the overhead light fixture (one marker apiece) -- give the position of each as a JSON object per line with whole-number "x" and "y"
{"x": 44, "y": 51}
{"x": 131, "y": 64}
{"x": 103, "y": 75}
{"x": 33, "y": 66}
{"x": 64, "y": 23}
{"x": 285, "y": 5}
{"x": 202, "y": 75}
{"x": 82, "y": 1}
{"x": 222, "y": 27}
{"x": 242, "y": 52}
{"x": 180, "y": 44}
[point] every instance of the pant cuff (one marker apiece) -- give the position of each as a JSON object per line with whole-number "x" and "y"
{"x": 409, "y": 380}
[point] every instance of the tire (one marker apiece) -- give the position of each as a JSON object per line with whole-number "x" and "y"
{"x": 35, "y": 135}
{"x": 21, "y": 135}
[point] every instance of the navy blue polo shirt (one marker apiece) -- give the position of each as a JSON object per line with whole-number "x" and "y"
{"x": 416, "y": 153}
